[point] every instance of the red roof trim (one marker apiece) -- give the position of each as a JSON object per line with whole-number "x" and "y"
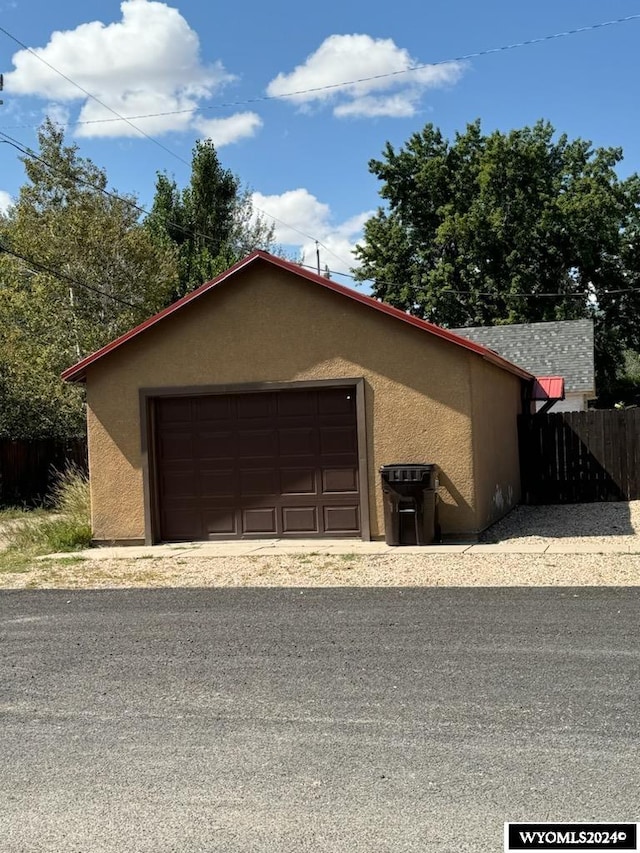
{"x": 77, "y": 372}
{"x": 548, "y": 388}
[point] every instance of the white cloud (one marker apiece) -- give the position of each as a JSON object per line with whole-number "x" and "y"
{"x": 353, "y": 57}
{"x": 222, "y": 131}
{"x": 5, "y": 201}
{"x": 401, "y": 105}
{"x": 312, "y": 218}
{"x": 58, "y": 113}
{"x": 148, "y": 62}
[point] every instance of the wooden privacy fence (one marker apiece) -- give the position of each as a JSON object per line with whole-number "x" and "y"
{"x": 575, "y": 457}
{"x": 28, "y": 468}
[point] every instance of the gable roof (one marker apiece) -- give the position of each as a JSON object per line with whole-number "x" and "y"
{"x": 77, "y": 373}
{"x": 563, "y": 347}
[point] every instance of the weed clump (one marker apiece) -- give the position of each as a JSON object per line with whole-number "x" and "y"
{"x": 66, "y": 528}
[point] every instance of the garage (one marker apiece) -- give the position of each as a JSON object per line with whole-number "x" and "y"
{"x": 278, "y": 463}
{"x": 263, "y": 404}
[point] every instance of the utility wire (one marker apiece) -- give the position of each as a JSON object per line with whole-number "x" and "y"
{"x": 330, "y": 86}
{"x": 64, "y": 277}
{"x": 483, "y": 292}
{"x": 92, "y": 96}
{"x": 23, "y": 149}
{"x": 146, "y": 135}
{"x": 312, "y": 90}
{"x": 77, "y": 179}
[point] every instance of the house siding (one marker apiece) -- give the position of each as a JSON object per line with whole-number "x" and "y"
{"x": 571, "y": 403}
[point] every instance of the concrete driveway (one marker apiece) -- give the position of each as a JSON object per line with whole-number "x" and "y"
{"x": 313, "y": 720}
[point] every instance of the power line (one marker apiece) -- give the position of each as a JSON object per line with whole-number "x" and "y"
{"x": 64, "y": 277}
{"x": 327, "y": 87}
{"x": 532, "y": 295}
{"x": 142, "y": 132}
{"x": 90, "y": 95}
{"x": 76, "y": 178}
{"x": 23, "y": 149}
{"x": 312, "y": 90}
{"x": 485, "y": 292}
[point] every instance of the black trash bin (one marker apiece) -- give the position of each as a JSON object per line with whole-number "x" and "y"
{"x": 409, "y": 493}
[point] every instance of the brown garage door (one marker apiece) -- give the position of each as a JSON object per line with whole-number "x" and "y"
{"x": 282, "y": 463}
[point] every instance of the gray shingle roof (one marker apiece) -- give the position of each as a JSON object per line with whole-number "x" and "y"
{"x": 563, "y": 348}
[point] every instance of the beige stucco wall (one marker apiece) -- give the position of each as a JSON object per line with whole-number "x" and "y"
{"x": 496, "y": 404}
{"x": 265, "y": 324}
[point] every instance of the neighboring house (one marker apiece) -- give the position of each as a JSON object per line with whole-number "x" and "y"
{"x": 564, "y": 348}
{"x": 265, "y": 402}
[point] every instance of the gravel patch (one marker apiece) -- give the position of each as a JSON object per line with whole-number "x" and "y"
{"x": 325, "y": 570}
{"x": 575, "y": 525}
{"x": 606, "y": 523}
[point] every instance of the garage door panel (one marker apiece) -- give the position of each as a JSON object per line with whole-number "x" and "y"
{"x": 258, "y": 481}
{"x": 220, "y": 521}
{"x": 341, "y": 480}
{"x": 339, "y": 440}
{"x": 217, "y": 484}
{"x": 300, "y": 519}
{"x": 250, "y": 406}
{"x": 176, "y": 445}
{"x": 298, "y": 481}
{"x": 179, "y": 484}
{"x": 182, "y": 524}
{"x": 296, "y": 404}
{"x": 336, "y": 401}
{"x": 214, "y": 445}
{"x": 217, "y": 408}
{"x": 256, "y": 444}
{"x": 175, "y": 410}
{"x": 298, "y": 441}
{"x": 260, "y": 520}
{"x": 280, "y": 463}
{"x": 342, "y": 519}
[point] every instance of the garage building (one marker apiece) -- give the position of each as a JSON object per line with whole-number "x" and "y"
{"x": 264, "y": 403}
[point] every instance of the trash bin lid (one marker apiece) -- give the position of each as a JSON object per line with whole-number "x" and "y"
{"x": 409, "y": 472}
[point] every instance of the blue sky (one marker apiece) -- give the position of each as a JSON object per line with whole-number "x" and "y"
{"x": 306, "y": 157}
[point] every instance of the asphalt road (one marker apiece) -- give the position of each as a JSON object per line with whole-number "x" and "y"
{"x": 313, "y": 720}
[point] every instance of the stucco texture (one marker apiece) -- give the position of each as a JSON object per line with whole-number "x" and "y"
{"x": 427, "y": 400}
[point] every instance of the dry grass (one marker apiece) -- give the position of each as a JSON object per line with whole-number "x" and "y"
{"x": 67, "y": 528}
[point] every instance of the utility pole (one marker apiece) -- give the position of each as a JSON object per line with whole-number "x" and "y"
{"x": 1, "y": 87}
{"x": 318, "y": 255}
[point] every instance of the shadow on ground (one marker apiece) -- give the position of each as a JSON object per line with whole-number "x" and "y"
{"x": 564, "y": 521}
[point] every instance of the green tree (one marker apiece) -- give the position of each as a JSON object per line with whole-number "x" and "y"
{"x": 77, "y": 270}
{"x": 211, "y": 222}
{"x": 474, "y": 231}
